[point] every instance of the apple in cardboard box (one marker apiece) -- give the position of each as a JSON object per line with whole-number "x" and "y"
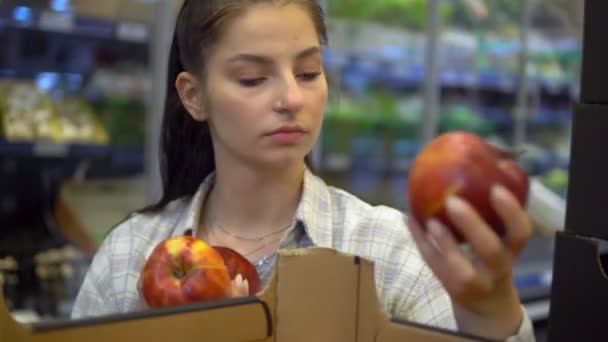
{"x": 463, "y": 164}
{"x": 183, "y": 270}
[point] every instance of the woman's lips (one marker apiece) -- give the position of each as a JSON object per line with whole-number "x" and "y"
{"x": 286, "y": 136}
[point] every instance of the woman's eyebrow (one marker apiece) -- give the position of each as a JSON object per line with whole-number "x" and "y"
{"x": 259, "y": 59}
{"x": 308, "y": 52}
{"x": 246, "y": 57}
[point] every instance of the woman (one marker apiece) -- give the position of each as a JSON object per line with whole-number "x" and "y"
{"x": 245, "y": 103}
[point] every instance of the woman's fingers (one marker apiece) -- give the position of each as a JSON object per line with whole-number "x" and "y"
{"x": 459, "y": 276}
{"x": 484, "y": 242}
{"x": 515, "y": 219}
{"x": 245, "y": 288}
{"x": 452, "y": 268}
{"x": 239, "y": 287}
{"x": 425, "y": 246}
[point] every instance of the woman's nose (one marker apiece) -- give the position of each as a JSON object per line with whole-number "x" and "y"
{"x": 291, "y": 99}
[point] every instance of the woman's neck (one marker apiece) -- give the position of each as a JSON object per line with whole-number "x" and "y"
{"x": 250, "y": 202}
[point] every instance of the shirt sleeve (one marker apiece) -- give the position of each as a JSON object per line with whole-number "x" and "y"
{"x": 429, "y": 304}
{"x": 94, "y": 298}
{"x": 526, "y": 330}
{"x": 432, "y": 306}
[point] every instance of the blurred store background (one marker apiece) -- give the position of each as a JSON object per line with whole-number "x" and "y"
{"x": 81, "y": 94}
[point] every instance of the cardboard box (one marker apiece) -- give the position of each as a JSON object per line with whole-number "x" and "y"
{"x": 595, "y": 54}
{"x": 579, "y": 292}
{"x": 314, "y": 295}
{"x": 586, "y": 202}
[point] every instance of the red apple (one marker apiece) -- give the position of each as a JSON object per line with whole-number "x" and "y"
{"x": 183, "y": 270}
{"x": 238, "y": 264}
{"x": 463, "y": 164}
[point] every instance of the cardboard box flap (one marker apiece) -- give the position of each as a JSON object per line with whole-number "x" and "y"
{"x": 243, "y": 319}
{"x": 371, "y": 315}
{"x": 323, "y": 295}
{"x": 317, "y": 296}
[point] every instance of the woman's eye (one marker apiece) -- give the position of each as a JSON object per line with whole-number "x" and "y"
{"x": 252, "y": 82}
{"x": 310, "y": 76}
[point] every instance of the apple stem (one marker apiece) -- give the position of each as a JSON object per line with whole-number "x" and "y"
{"x": 178, "y": 272}
{"x": 514, "y": 153}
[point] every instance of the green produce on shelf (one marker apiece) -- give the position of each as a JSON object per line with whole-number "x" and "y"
{"x": 405, "y": 13}
{"x": 556, "y": 180}
{"x": 125, "y": 119}
{"x": 497, "y": 13}
{"x": 408, "y": 118}
{"x": 460, "y": 117}
{"x": 339, "y": 126}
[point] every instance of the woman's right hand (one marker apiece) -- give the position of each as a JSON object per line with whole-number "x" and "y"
{"x": 239, "y": 287}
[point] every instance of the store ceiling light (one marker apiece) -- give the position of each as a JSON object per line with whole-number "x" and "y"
{"x": 45, "y": 81}
{"x": 23, "y": 14}
{"x": 60, "y": 5}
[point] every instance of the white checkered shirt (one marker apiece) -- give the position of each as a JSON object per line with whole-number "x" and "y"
{"x": 326, "y": 217}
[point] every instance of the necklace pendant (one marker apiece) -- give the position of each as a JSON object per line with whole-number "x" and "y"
{"x": 261, "y": 262}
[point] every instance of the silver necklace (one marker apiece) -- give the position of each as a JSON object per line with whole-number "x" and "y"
{"x": 255, "y": 238}
{"x": 242, "y": 237}
{"x": 264, "y": 260}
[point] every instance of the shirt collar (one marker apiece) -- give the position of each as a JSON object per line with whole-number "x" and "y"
{"x": 190, "y": 221}
{"x": 313, "y": 214}
{"x": 314, "y": 210}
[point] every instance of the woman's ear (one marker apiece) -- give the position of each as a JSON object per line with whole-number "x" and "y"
{"x": 190, "y": 93}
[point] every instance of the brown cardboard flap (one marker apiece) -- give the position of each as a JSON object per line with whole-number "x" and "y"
{"x": 244, "y": 319}
{"x": 371, "y": 316}
{"x": 317, "y": 297}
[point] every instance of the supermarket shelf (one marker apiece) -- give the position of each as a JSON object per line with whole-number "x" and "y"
{"x": 68, "y": 23}
{"x": 52, "y": 150}
{"x": 401, "y": 74}
{"x": 121, "y": 163}
{"x": 533, "y": 269}
{"x": 103, "y": 161}
{"x": 343, "y": 163}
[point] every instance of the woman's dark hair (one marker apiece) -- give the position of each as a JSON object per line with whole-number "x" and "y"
{"x": 186, "y": 150}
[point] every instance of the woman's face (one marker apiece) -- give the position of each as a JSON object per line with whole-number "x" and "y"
{"x": 265, "y": 91}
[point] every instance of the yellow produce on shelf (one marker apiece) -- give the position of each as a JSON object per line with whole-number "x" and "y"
{"x": 28, "y": 114}
{"x": 79, "y": 123}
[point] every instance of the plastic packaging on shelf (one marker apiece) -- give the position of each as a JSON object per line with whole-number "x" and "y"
{"x": 29, "y": 114}
{"x": 79, "y": 123}
{"x": 8, "y": 279}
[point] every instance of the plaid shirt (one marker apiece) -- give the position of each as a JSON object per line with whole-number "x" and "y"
{"x": 326, "y": 217}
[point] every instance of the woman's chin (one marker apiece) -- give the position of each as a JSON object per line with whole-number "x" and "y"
{"x": 284, "y": 162}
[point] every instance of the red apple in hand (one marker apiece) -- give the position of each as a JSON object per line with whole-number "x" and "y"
{"x": 183, "y": 270}
{"x": 463, "y": 164}
{"x": 238, "y": 264}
